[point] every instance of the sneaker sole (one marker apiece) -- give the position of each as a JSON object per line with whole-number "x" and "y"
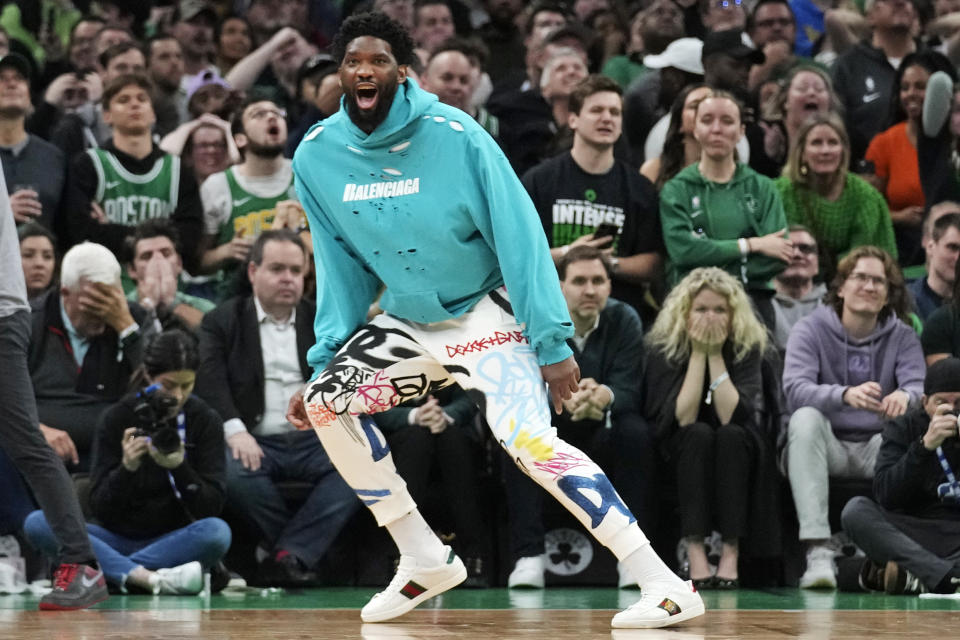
{"x": 435, "y": 590}
{"x": 820, "y": 583}
{"x": 686, "y": 614}
{"x": 52, "y": 606}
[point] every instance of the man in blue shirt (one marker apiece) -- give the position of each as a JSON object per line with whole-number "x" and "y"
{"x": 408, "y": 194}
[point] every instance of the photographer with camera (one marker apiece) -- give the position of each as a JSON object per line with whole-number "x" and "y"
{"x": 911, "y": 533}
{"x": 158, "y": 480}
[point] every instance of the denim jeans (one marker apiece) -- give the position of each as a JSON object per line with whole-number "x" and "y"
{"x": 310, "y": 531}
{"x": 205, "y": 540}
{"x": 17, "y": 502}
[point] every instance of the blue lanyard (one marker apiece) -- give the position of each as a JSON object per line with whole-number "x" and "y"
{"x": 946, "y": 466}
{"x": 182, "y": 431}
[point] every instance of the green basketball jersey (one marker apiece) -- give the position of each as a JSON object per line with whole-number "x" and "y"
{"x": 130, "y": 198}
{"x": 249, "y": 212}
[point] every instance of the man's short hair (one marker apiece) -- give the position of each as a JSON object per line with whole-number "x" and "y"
{"x": 928, "y": 217}
{"x": 943, "y": 223}
{"x": 236, "y": 122}
{"x": 540, "y": 7}
{"x": 583, "y": 253}
{"x": 377, "y": 25}
{"x": 752, "y": 16}
{"x": 594, "y": 83}
{"x": 90, "y": 261}
{"x": 278, "y": 235}
{"x": 118, "y": 49}
{"x": 160, "y": 37}
{"x": 475, "y": 51}
{"x": 119, "y": 83}
{"x": 153, "y": 228}
{"x": 426, "y": 3}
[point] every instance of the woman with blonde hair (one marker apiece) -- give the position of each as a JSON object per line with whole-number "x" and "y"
{"x": 841, "y": 209}
{"x": 703, "y": 387}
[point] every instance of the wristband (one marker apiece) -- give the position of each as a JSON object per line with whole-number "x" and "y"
{"x": 564, "y": 249}
{"x": 744, "y": 246}
{"x": 713, "y": 386}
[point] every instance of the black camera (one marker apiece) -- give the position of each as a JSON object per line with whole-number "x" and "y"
{"x": 153, "y": 411}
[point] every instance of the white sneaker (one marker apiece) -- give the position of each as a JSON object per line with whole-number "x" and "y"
{"x": 528, "y": 573}
{"x": 821, "y": 572}
{"x": 625, "y": 579}
{"x": 661, "y": 607}
{"x": 187, "y": 579}
{"x": 412, "y": 585}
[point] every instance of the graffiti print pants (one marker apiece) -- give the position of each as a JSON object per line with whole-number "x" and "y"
{"x": 391, "y": 360}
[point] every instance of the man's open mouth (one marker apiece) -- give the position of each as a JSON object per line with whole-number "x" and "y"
{"x": 367, "y": 96}
{"x": 273, "y": 131}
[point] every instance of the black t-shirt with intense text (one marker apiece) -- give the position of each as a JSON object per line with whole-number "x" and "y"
{"x": 573, "y": 203}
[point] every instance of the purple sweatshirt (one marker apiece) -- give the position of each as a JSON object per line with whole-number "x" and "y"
{"x": 823, "y": 360}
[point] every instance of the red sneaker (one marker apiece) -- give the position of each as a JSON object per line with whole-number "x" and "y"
{"x": 75, "y": 586}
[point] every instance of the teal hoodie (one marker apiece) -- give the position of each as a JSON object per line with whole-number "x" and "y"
{"x": 428, "y": 205}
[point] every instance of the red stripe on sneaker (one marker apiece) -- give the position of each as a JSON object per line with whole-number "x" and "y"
{"x": 412, "y": 590}
{"x": 669, "y": 606}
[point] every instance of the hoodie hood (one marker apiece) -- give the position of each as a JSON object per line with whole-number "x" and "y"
{"x": 410, "y": 103}
{"x": 829, "y": 320}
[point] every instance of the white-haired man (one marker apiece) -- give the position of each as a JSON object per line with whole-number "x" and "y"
{"x": 85, "y": 343}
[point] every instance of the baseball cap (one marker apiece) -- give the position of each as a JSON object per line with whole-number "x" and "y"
{"x": 190, "y": 9}
{"x": 683, "y": 54}
{"x": 18, "y": 62}
{"x": 731, "y": 43}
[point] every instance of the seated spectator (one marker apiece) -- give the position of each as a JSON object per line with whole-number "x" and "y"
{"x": 703, "y": 392}
{"x": 602, "y": 418}
{"x": 114, "y": 188}
{"x": 623, "y": 206}
{"x": 850, "y": 365}
{"x": 270, "y": 70}
{"x": 157, "y": 480}
{"x": 244, "y": 200}
{"x": 38, "y": 256}
{"x": 432, "y": 25}
{"x": 85, "y": 344}
{"x": 156, "y": 268}
{"x": 26, "y": 157}
{"x": 720, "y": 212}
{"x": 193, "y": 24}
{"x": 205, "y": 145}
{"x": 233, "y": 41}
{"x": 941, "y": 331}
{"x": 680, "y": 147}
{"x": 841, "y": 209}
{"x": 253, "y": 358}
{"x": 893, "y": 152}
{"x": 797, "y": 294}
{"x": 318, "y": 97}
{"x": 942, "y": 249}
{"x": 772, "y": 28}
{"x": 454, "y": 72}
{"x": 165, "y": 70}
{"x": 439, "y": 431}
{"x": 910, "y": 531}
{"x": 652, "y": 28}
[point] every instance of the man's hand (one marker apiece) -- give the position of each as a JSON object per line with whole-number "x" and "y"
{"x": 297, "y": 412}
{"x": 894, "y": 404}
{"x": 865, "y": 396}
{"x": 289, "y": 215}
{"x": 561, "y": 378}
{"x": 107, "y": 303}
{"x": 245, "y": 448}
{"x": 237, "y": 249}
{"x": 430, "y": 415}
{"x": 943, "y": 425}
{"x": 61, "y": 443}
{"x": 26, "y": 205}
{"x": 134, "y": 447}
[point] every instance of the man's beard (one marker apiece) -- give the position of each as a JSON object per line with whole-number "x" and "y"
{"x": 265, "y": 150}
{"x": 371, "y": 120}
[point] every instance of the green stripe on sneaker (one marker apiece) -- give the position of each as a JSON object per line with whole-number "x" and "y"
{"x": 451, "y": 557}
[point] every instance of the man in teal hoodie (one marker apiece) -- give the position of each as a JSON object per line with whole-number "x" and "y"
{"x": 410, "y": 195}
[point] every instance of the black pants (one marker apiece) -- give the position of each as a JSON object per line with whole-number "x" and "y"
{"x": 626, "y": 452}
{"x": 22, "y": 441}
{"x": 713, "y": 467}
{"x": 415, "y": 450}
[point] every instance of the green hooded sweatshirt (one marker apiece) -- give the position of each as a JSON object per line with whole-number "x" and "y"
{"x": 702, "y": 221}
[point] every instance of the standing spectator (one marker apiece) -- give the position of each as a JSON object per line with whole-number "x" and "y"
{"x": 318, "y": 97}
{"x": 38, "y": 257}
{"x": 165, "y": 70}
{"x": 680, "y": 147}
{"x": 602, "y": 419}
{"x": 242, "y": 201}
{"x": 652, "y": 29}
{"x": 806, "y": 91}
{"x": 864, "y": 75}
{"x": 432, "y": 25}
{"x": 234, "y": 42}
{"x": 34, "y": 169}
{"x": 86, "y": 342}
{"x": 893, "y": 152}
{"x": 909, "y": 533}
{"x": 193, "y": 27}
{"x": 721, "y": 212}
{"x": 129, "y": 180}
{"x": 505, "y": 42}
{"x": 772, "y": 27}
{"x": 156, "y": 505}
{"x": 270, "y": 70}
{"x": 840, "y": 209}
{"x": 941, "y": 332}
{"x": 587, "y": 189}
{"x": 454, "y": 72}
{"x": 797, "y": 294}
{"x": 253, "y": 355}
{"x": 850, "y": 365}
{"x": 703, "y": 394}
{"x": 942, "y": 249}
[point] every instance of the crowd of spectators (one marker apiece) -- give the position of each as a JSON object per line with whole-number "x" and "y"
{"x": 751, "y": 206}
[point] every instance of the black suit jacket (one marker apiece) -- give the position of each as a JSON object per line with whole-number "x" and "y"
{"x": 231, "y": 376}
